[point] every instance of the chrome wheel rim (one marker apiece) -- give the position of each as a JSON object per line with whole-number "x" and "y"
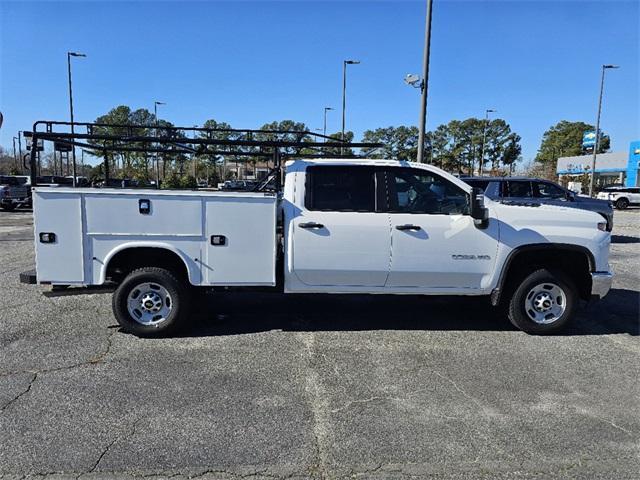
{"x": 545, "y": 303}
{"x": 149, "y": 303}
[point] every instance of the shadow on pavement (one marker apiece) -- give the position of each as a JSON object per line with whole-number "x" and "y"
{"x": 243, "y": 313}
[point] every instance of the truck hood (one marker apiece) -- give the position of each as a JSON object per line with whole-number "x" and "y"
{"x": 537, "y": 216}
{"x": 594, "y": 203}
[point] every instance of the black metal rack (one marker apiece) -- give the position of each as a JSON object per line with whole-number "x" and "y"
{"x": 161, "y": 139}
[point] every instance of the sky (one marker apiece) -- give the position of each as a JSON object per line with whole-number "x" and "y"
{"x": 249, "y": 63}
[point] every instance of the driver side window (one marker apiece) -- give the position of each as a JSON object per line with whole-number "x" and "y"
{"x": 421, "y": 191}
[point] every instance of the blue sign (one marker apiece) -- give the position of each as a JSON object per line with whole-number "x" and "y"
{"x": 589, "y": 139}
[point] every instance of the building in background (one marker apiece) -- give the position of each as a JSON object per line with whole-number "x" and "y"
{"x": 617, "y": 168}
{"x": 633, "y": 168}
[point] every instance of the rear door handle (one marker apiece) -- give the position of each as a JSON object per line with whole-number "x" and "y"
{"x": 311, "y": 225}
{"x": 414, "y": 228}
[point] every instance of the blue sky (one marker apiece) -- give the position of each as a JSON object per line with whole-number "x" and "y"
{"x": 248, "y": 63}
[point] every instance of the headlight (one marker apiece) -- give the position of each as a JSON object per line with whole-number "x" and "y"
{"x": 602, "y": 226}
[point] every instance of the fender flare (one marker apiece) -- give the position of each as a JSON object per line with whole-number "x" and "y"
{"x": 496, "y": 293}
{"x": 192, "y": 273}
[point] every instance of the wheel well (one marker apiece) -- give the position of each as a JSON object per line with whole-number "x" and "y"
{"x": 130, "y": 259}
{"x": 574, "y": 263}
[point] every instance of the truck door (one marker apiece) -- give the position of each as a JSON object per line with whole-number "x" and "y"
{"x": 340, "y": 238}
{"x": 435, "y": 244}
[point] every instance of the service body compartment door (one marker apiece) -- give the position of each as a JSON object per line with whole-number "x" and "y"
{"x": 121, "y": 214}
{"x": 240, "y": 240}
{"x": 59, "y": 261}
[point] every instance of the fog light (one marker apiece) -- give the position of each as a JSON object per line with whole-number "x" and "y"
{"x": 602, "y": 226}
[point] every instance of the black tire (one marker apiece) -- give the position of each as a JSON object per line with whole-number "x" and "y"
{"x": 622, "y": 203}
{"x": 178, "y": 300}
{"x": 9, "y": 207}
{"x": 519, "y": 304}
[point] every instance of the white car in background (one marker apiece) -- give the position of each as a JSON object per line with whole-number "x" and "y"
{"x": 621, "y": 197}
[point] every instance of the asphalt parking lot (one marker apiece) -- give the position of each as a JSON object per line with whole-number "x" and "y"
{"x": 264, "y": 386}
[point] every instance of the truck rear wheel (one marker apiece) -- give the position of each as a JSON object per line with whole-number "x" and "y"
{"x": 151, "y": 301}
{"x": 544, "y": 302}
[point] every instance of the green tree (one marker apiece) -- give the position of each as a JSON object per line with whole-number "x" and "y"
{"x": 564, "y": 139}
{"x": 337, "y": 151}
{"x": 400, "y": 143}
{"x": 188, "y": 182}
{"x": 512, "y": 152}
{"x": 457, "y": 145}
{"x": 219, "y": 131}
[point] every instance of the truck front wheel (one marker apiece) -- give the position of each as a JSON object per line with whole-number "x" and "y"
{"x": 544, "y": 302}
{"x": 151, "y": 302}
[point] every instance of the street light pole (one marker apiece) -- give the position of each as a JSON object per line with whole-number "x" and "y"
{"x": 195, "y": 158}
{"x": 15, "y": 158}
{"x": 155, "y": 116}
{"x": 484, "y": 137}
{"x": 73, "y": 147}
{"x": 344, "y": 95}
{"x": 20, "y": 150}
{"x": 324, "y": 129}
{"x": 597, "y": 145}
{"x": 425, "y": 82}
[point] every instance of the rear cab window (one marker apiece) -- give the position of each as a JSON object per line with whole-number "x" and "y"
{"x": 518, "y": 189}
{"x": 340, "y": 188}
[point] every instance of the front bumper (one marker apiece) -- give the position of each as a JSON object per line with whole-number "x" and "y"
{"x": 600, "y": 283}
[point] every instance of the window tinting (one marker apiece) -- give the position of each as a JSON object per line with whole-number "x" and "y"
{"x": 7, "y": 180}
{"x": 341, "y": 189}
{"x": 518, "y": 189}
{"x": 419, "y": 191}
{"x": 548, "y": 190}
{"x": 483, "y": 184}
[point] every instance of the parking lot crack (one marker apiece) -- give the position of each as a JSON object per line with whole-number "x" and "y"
{"x": 21, "y": 394}
{"x": 96, "y": 359}
{"x": 376, "y": 398}
{"x": 99, "y": 358}
{"x": 106, "y": 450}
{"x": 459, "y": 389}
{"x": 318, "y": 404}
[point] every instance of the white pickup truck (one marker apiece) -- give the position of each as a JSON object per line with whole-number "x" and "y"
{"x": 339, "y": 226}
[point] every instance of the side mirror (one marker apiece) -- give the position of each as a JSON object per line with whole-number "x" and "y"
{"x": 479, "y": 212}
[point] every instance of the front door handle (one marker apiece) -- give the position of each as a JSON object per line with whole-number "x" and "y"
{"x": 414, "y": 228}
{"x": 311, "y": 225}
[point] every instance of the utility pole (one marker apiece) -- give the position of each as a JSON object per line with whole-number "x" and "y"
{"x": 597, "y": 145}
{"x": 425, "y": 82}
{"x": 484, "y": 138}
{"x": 73, "y": 147}
{"x": 344, "y": 96}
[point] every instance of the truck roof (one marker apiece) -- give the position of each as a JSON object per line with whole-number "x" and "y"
{"x": 301, "y": 164}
